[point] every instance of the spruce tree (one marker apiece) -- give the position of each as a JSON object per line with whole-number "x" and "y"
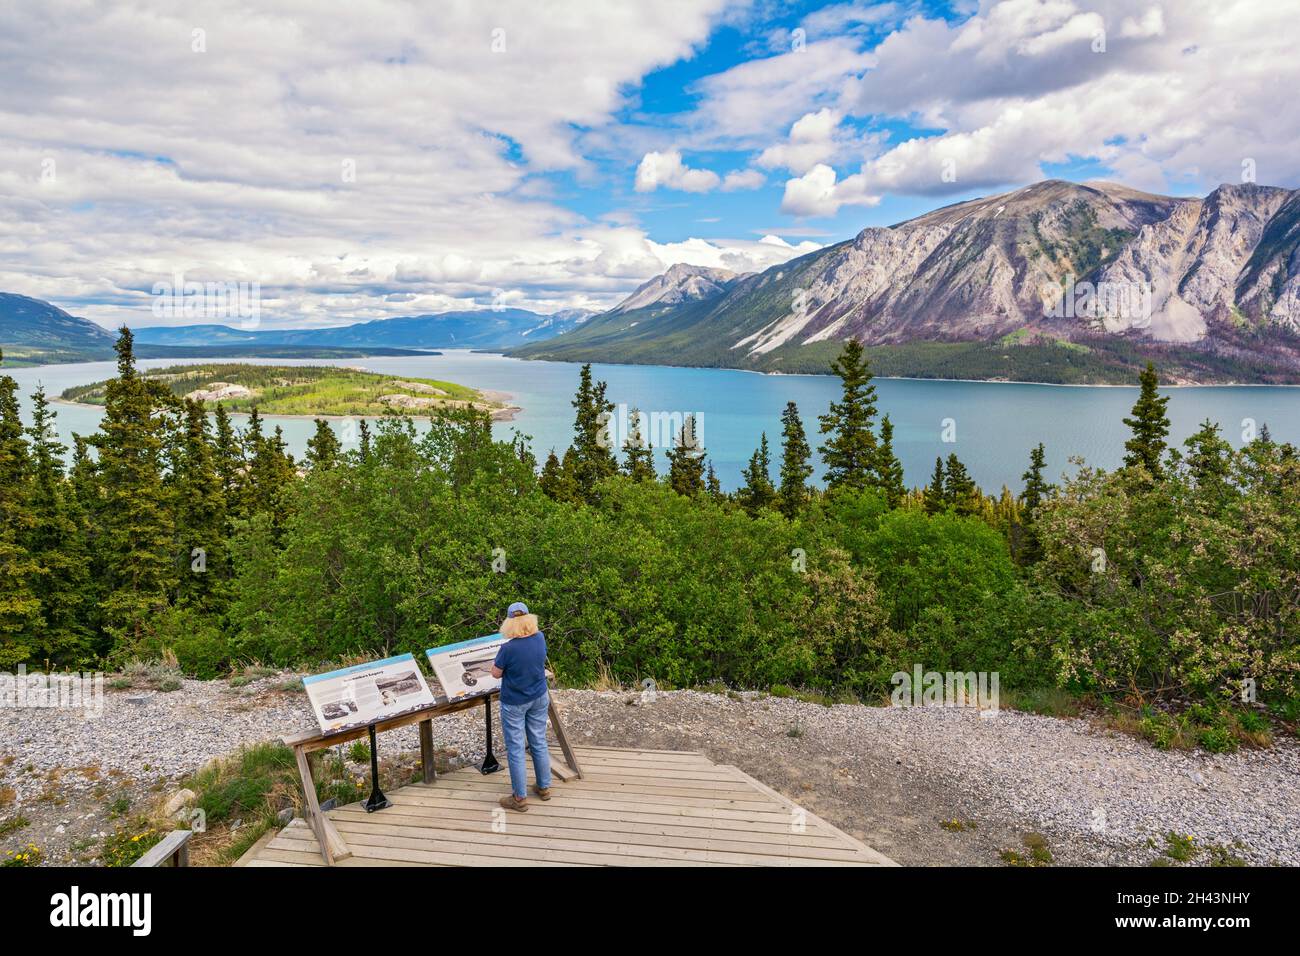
{"x": 1037, "y": 488}
{"x": 889, "y": 470}
{"x": 796, "y": 468}
{"x": 850, "y": 451}
{"x": 56, "y": 543}
{"x": 568, "y": 484}
{"x": 757, "y": 492}
{"x": 323, "y": 448}
{"x": 227, "y": 458}
{"x": 20, "y": 608}
{"x": 363, "y": 446}
{"x": 1209, "y": 457}
{"x": 959, "y": 490}
{"x": 270, "y": 471}
{"x": 200, "y": 515}
{"x": 592, "y": 445}
{"x": 934, "y": 498}
{"x": 712, "y": 486}
{"x": 1026, "y": 543}
{"x": 552, "y": 480}
{"x": 640, "y": 457}
{"x": 686, "y": 461}
{"x": 137, "y": 528}
{"x": 1150, "y": 426}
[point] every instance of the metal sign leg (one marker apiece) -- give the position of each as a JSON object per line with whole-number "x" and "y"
{"x": 490, "y": 764}
{"x": 377, "y": 799}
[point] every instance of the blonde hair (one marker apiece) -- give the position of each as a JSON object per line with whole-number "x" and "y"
{"x": 525, "y": 625}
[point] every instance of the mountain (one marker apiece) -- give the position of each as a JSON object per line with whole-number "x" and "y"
{"x": 1053, "y": 282}
{"x": 32, "y": 332}
{"x": 479, "y": 329}
{"x": 680, "y": 284}
{"x": 30, "y": 329}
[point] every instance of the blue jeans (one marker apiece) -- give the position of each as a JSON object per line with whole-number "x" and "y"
{"x": 530, "y": 719}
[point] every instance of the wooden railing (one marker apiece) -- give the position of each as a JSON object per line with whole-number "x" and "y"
{"x": 171, "y": 850}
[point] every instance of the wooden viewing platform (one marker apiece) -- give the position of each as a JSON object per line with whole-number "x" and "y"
{"x": 630, "y": 808}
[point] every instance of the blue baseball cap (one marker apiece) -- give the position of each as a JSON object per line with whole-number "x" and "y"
{"x": 519, "y": 607}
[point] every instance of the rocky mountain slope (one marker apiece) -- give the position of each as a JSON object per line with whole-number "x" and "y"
{"x": 1053, "y": 282}
{"x": 681, "y": 283}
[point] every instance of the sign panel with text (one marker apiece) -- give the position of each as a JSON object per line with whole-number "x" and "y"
{"x": 464, "y": 669}
{"x": 365, "y": 693}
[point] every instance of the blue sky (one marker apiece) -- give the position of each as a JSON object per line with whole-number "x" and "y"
{"x": 397, "y": 157}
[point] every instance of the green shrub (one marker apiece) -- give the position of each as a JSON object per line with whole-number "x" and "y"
{"x": 125, "y": 846}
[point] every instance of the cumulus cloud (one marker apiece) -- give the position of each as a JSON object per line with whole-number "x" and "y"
{"x": 667, "y": 169}
{"x": 1160, "y": 95}
{"x": 816, "y": 193}
{"x": 743, "y": 179}
{"x": 812, "y": 140}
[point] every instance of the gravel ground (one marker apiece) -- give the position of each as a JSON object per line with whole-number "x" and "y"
{"x": 895, "y": 778}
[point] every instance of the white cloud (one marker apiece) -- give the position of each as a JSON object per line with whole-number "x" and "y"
{"x": 667, "y": 169}
{"x": 379, "y": 160}
{"x": 816, "y": 193}
{"x": 753, "y": 103}
{"x": 1180, "y": 94}
{"x": 811, "y": 141}
{"x": 743, "y": 179}
{"x": 736, "y": 255}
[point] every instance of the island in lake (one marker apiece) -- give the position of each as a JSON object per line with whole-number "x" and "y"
{"x": 309, "y": 390}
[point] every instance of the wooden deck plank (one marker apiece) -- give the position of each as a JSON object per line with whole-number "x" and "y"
{"x": 631, "y": 808}
{"x": 610, "y": 829}
{"x": 468, "y": 817}
{"x": 516, "y": 835}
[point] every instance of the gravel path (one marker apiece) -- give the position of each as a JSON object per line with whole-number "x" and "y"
{"x": 895, "y": 778}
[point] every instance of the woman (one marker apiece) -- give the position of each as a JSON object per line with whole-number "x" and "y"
{"x": 521, "y": 667}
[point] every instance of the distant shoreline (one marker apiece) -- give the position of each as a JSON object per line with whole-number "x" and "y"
{"x": 910, "y": 378}
{"x": 506, "y": 414}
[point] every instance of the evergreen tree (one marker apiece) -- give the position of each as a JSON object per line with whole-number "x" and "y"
{"x": 56, "y": 544}
{"x": 20, "y": 608}
{"x": 795, "y": 466}
{"x": 1026, "y": 543}
{"x": 363, "y": 446}
{"x": 227, "y": 458}
{"x": 889, "y": 469}
{"x": 270, "y": 472}
{"x": 713, "y": 487}
{"x": 592, "y": 446}
{"x": 1150, "y": 426}
{"x": 934, "y": 498}
{"x": 1209, "y": 457}
{"x": 568, "y": 485}
{"x": 686, "y": 461}
{"x": 323, "y": 448}
{"x": 757, "y": 492}
{"x": 550, "y": 480}
{"x": 640, "y": 457}
{"x": 1037, "y": 488}
{"x": 850, "y": 452}
{"x": 200, "y": 514}
{"x": 959, "y": 490}
{"x": 136, "y": 520}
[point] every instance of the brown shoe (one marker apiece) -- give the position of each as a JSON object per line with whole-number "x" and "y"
{"x": 543, "y": 793}
{"x": 512, "y": 802}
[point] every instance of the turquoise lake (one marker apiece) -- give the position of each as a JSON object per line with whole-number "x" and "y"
{"x": 993, "y": 424}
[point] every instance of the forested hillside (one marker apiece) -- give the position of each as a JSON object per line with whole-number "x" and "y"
{"x": 1175, "y": 579}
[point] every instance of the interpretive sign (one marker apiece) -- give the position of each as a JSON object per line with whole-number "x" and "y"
{"x": 464, "y": 669}
{"x": 360, "y": 695}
